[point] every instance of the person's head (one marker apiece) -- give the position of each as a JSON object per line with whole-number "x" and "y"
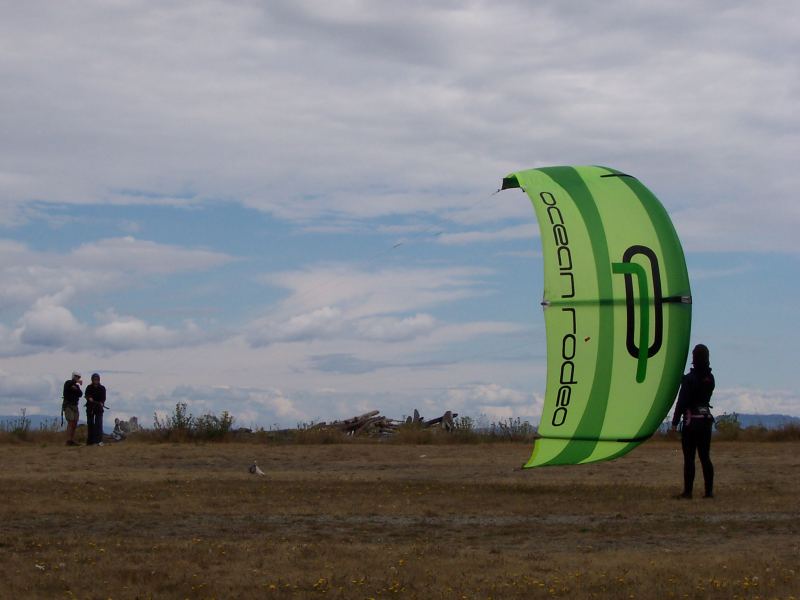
{"x": 95, "y": 378}
{"x": 700, "y": 357}
{"x": 76, "y": 376}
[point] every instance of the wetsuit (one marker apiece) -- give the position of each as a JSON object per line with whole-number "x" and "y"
{"x": 693, "y": 406}
{"x": 95, "y": 403}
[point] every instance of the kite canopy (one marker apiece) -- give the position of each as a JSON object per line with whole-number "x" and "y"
{"x": 617, "y": 308}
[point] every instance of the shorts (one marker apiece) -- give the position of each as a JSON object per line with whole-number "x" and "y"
{"x": 71, "y": 412}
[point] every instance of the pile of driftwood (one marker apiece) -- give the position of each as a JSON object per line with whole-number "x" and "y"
{"x": 445, "y": 422}
{"x": 373, "y": 423}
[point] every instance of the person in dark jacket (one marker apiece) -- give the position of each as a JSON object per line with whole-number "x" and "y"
{"x": 95, "y": 395}
{"x": 693, "y": 407}
{"x": 69, "y": 406}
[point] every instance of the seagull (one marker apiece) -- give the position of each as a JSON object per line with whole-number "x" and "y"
{"x": 255, "y": 470}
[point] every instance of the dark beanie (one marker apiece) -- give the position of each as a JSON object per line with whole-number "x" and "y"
{"x": 700, "y": 357}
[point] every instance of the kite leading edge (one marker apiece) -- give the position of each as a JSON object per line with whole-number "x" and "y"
{"x": 617, "y": 308}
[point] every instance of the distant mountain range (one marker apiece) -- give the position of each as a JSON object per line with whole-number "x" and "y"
{"x": 768, "y": 421}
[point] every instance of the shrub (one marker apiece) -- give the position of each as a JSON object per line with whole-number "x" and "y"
{"x": 464, "y": 424}
{"x": 728, "y": 426}
{"x": 414, "y": 434}
{"x": 182, "y": 426}
{"x": 213, "y": 427}
{"x": 19, "y": 428}
{"x": 788, "y": 433}
{"x": 319, "y": 435}
{"x": 513, "y": 430}
{"x": 50, "y": 426}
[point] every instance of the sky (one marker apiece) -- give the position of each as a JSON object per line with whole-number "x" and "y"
{"x": 285, "y": 209}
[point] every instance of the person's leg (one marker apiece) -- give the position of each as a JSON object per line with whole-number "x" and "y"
{"x": 71, "y": 426}
{"x": 99, "y": 423}
{"x": 96, "y": 428}
{"x": 89, "y": 428}
{"x": 71, "y": 414}
{"x": 704, "y": 451}
{"x": 91, "y": 418}
{"x": 689, "y": 446}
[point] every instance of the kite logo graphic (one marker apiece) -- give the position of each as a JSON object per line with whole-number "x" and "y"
{"x": 642, "y": 351}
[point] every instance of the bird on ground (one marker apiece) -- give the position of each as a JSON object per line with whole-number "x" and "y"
{"x": 255, "y": 470}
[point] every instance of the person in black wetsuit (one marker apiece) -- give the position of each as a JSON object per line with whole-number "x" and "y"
{"x": 95, "y": 395}
{"x": 693, "y": 406}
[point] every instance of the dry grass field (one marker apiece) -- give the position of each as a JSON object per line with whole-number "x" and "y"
{"x": 378, "y": 520}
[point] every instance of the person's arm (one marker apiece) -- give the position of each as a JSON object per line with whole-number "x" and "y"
{"x": 72, "y": 391}
{"x": 680, "y": 405}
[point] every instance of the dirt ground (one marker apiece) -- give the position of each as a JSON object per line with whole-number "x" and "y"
{"x": 140, "y": 520}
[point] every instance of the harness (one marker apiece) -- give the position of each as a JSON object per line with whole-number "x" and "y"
{"x": 699, "y": 413}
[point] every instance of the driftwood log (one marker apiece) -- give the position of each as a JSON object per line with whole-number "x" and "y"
{"x": 446, "y": 421}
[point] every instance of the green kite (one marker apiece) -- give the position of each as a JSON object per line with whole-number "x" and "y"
{"x": 617, "y": 307}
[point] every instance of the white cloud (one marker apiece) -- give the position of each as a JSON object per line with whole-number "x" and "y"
{"x": 142, "y": 256}
{"x": 107, "y": 264}
{"x": 43, "y": 285}
{"x": 28, "y": 275}
{"x": 381, "y": 291}
{"x": 248, "y": 406}
{"x": 325, "y": 322}
{"x": 12, "y": 252}
{"x": 364, "y": 111}
{"x": 455, "y": 333}
{"x": 339, "y": 301}
{"x": 495, "y": 401}
{"x": 20, "y": 390}
{"x": 328, "y": 323}
{"x": 394, "y": 329}
{"x": 121, "y": 333}
{"x": 756, "y": 401}
{"x": 490, "y": 394}
{"x": 48, "y": 324}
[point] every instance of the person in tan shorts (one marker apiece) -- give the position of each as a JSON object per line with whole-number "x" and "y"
{"x": 69, "y": 408}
